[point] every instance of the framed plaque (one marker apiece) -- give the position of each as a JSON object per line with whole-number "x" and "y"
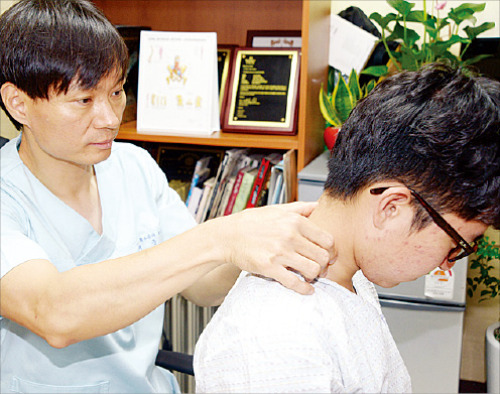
{"x": 274, "y": 39}
{"x": 131, "y": 36}
{"x": 224, "y": 63}
{"x": 263, "y": 91}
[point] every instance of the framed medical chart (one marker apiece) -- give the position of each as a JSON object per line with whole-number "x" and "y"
{"x": 178, "y": 89}
{"x": 263, "y": 93}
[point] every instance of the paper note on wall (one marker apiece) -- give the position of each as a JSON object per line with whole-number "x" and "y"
{"x": 439, "y": 284}
{"x": 350, "y": 46}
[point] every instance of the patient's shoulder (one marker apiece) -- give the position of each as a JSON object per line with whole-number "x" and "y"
{"x": 257, "y": 306}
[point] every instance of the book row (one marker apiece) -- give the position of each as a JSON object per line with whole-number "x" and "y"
{"x": 215, "y": 182}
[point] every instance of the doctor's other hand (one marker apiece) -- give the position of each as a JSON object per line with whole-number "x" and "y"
{"x": 275, "y": 240}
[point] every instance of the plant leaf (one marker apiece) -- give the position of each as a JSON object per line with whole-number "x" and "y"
{"x": 369, "y": 86}
{"x": 418, "y": 16}
{"x": 464, "y": 12}
{"x": 327, "y": 109}
{"x": 440, "y": 47}
{"x": 399, "y": 33}
{"x": 402, "y": 6}
{"x": 470, "y": 6}
{"x": 376, "y": 71}
{"x": 383, "y": 22}
{"x": 331, "y": 79}
{"x": 408, "y": 59}
{"x": 450, "y": 56}
{"x": 342, "y": 100}
{"x": 473, "y": 32}
{"x": 354, "y": 87}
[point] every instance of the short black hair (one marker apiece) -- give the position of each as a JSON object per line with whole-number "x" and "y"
{"x": 436, "y": 130}
{"x": 48, "y": 44}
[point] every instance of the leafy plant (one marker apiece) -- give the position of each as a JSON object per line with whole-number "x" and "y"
{"x": 336, "y": 106}
{"x": 414, "y": 50}
{"x": 486, "y": 256}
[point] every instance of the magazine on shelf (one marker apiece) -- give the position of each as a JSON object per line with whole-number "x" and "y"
{"x": 178, "y": 83}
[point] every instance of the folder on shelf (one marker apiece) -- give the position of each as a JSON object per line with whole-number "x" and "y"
{"x": 178, "y": 83}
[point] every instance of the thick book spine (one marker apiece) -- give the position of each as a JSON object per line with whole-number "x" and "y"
{"x": 194, "y": 201}
{"x": 245, "y": 189}
{"x": 234, "y": 192}
{"x": 218, "y": 178}
{"x": 202, "y": 207}
{"x": 259, "y": 183}
{"x": 200, "y": 166}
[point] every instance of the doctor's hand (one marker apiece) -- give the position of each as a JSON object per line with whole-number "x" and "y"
{"x": 275, "y": 240}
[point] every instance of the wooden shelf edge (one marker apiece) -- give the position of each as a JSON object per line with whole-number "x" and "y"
{"x": 128, "y": 131}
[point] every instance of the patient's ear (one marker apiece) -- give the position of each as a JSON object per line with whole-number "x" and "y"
{"x": 392, "y": 207}
{"x": 14, "y": 100}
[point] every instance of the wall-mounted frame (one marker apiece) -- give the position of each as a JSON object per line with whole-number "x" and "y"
{"x": 274, "y": 39}
{"x": 224, "y": 67}
{"x": 263, "y": 92}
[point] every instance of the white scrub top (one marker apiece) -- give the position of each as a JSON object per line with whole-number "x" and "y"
{"x": 139, "y": 210}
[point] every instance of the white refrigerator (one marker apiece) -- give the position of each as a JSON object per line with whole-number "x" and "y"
{"x": 425, "y": 316}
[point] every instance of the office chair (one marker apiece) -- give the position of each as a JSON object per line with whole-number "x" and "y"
{"x": 175, "y": 361}
{"x": 3, "y": 141}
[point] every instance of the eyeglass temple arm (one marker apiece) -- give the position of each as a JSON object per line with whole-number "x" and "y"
{"x": 436, "y": 217}
{"x": 443, "y": 223}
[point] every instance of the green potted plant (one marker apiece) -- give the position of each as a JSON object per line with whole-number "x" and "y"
{"x": 414, "y": 50}
{"x": 483, "y": 280}
{"x": 337, "y": 102}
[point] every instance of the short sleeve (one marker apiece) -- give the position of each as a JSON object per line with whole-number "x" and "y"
{"x": 15, "y": 245}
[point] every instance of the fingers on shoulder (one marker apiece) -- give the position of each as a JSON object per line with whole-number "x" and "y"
{"x": 293, "y": 282}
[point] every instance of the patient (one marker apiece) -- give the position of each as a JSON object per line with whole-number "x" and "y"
{"x": 421, "y": 141}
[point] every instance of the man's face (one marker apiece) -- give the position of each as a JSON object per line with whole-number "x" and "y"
{"x": 404, "y": 255}
{"x": 77, "y": 127}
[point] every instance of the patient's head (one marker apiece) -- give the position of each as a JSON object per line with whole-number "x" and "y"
{"x": 426, "y": 138}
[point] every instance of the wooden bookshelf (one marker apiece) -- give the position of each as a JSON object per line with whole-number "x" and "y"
{"x": 128, "y": 131}
{"x": 231, "y": 19}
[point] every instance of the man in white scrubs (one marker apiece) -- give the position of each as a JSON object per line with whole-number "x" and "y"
{"x": 93, "y": 241}
{"x": 413, "y": 180}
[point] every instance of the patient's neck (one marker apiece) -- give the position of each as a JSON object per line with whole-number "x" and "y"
{"x": 338, "y": 218}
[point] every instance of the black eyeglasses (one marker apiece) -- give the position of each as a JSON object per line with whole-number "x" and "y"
{"x": 462, "y": 244}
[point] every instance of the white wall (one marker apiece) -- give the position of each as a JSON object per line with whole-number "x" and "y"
{"x": 491, "y": 12}
{"x": 7, "y": 129}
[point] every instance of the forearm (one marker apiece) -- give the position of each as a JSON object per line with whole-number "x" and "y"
{"x": 212, "y": 288}
{"x": 97, "y": 299}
